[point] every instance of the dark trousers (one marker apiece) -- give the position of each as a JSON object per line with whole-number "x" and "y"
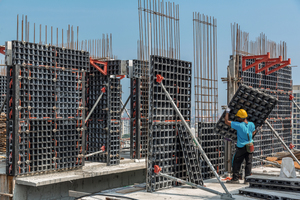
{"x": 239, "y": 156}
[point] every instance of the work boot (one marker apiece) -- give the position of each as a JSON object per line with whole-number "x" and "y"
{"x": 233, "y": 181}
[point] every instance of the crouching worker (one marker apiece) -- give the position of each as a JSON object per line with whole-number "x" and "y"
{"x": 244, "y": 147}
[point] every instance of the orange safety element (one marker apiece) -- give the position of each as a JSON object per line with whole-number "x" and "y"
{"x": 157, "y": 169}
{"x": 121, "y": 76}
{"x": 159, "y": 78}
{"x": 269, "y": 62}
{"x": 102, "y": 148}
{"x": 2, "y": 50}
{"x": 291, "y": 146}
{"x": 94, "y": 62}
{"x": 258, "y": 59}
{"x": 291, "y": 97}
{"x": 103, "y": 90}
{"x": 226, "y": 179}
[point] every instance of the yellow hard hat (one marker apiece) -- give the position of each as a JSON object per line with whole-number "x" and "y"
{"x": 242, "y": 114}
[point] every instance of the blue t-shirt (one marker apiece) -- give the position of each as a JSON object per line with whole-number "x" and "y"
{"x": 242, "y": 129}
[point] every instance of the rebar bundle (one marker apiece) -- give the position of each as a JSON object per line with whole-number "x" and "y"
{"x": 205, "y": 67}
{"x": 159, "y": 30}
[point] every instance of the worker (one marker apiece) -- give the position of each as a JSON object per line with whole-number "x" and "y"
{"x": 245, "y": 133}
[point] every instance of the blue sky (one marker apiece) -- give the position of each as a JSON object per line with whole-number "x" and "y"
{"x": 278, "y": 19}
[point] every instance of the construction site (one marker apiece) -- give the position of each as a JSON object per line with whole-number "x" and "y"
{"x": 77, "y": 122}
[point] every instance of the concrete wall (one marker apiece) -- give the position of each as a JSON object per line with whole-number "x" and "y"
{"x": 91, "y": 185}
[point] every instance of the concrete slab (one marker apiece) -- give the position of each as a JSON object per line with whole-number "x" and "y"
{"x": 271, "y": 194}
{"x": 179, "y": 193}
{"x": 88, "y": 171}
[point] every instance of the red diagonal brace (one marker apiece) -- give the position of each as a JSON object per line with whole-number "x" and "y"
{"x": 258, "y": 59}
{"x": 283, "y": 64}
{"x": 2, "y": 50}
{"x": 271, "y": 62}
{"x": 93, "y": 63}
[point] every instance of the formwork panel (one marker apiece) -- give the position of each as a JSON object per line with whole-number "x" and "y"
{"x": 45, "y": 119}
{"x": 257, "y": 104}
{"x": 104, "y": 124}
{"x": 139, "y": 109}
{"x": 164, "y": 147}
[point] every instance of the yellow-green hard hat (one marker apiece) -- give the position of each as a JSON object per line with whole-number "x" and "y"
{"x": 242, "y": 114}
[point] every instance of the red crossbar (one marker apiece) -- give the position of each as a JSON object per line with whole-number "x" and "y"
{"x": 93, "y": 63}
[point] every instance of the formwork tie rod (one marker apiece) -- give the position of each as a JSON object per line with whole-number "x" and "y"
{"x": 92, "y": 110}
{"x": 157, "y": 170}
{"x": 3, "y": 103}
{"x": 279, "y": 138}
{"x": 124, "y": 106}
{"x": 159, "y": 79}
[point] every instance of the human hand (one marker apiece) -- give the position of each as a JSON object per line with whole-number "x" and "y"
{"x": 228, "y": 110}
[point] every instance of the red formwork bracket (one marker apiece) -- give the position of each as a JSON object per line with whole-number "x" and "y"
{"x": 121, "y": 76}
{"x": 258, "y": 59}
{"x": 2, "y": 50}
{"x": 103, "y": 90}
{"x": 269, "y": 62}
{"x": 291, "y": 97}
{"x": 94, "y": 62}
{"x": 282, "y": 65}
{"x": 157, "y": 169}
{"x": 102, "y": 148}
{"x": 159, "y": 78}
{"x": 291, "y": 146}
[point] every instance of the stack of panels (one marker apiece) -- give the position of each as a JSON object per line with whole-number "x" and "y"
{"x": 45, "y": 115}
{"x": 164, "y": 147}
{"x": 104, "y": 124}
{"x": 139, "y": 109}
{"x": 257, "y": 104}
{"x": 279, "y": 85}
{"x": 213, "y": 146}
{"x": 3, "y": 86}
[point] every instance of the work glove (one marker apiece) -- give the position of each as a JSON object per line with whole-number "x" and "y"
{"x": 228, "y": 110}
{"x": 258, "y": 129}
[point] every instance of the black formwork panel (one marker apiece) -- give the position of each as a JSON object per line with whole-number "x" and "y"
{"x": 213, "y": 146}
{"x": 278, "y": 85}
{"x": 97, "y": 125}
{"x": 3, "y": 84}
{"x": 45, "y": 108}
{"x": 139, "y": 109}
{"x": 164, "y": 148}
{"x": 103, "y": 126}
{"x": 257, "y": 104}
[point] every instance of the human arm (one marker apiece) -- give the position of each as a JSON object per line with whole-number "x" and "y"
{"x": 256, "y": 131}
{"x": 227, "y": 122}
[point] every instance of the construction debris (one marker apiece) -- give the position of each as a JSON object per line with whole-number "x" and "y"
{"x": 278, "y": 158}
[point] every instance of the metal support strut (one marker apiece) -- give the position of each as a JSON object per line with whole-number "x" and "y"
{"x": 159, "y": 79}
{"x": 92, "y": 110}
{"x": 124, "y": 106}
{"x": 157, "y": 170}
{"x": 95, "y": 153}
{"x": 292, "y": 99}
{"x": 279, "y": 138}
